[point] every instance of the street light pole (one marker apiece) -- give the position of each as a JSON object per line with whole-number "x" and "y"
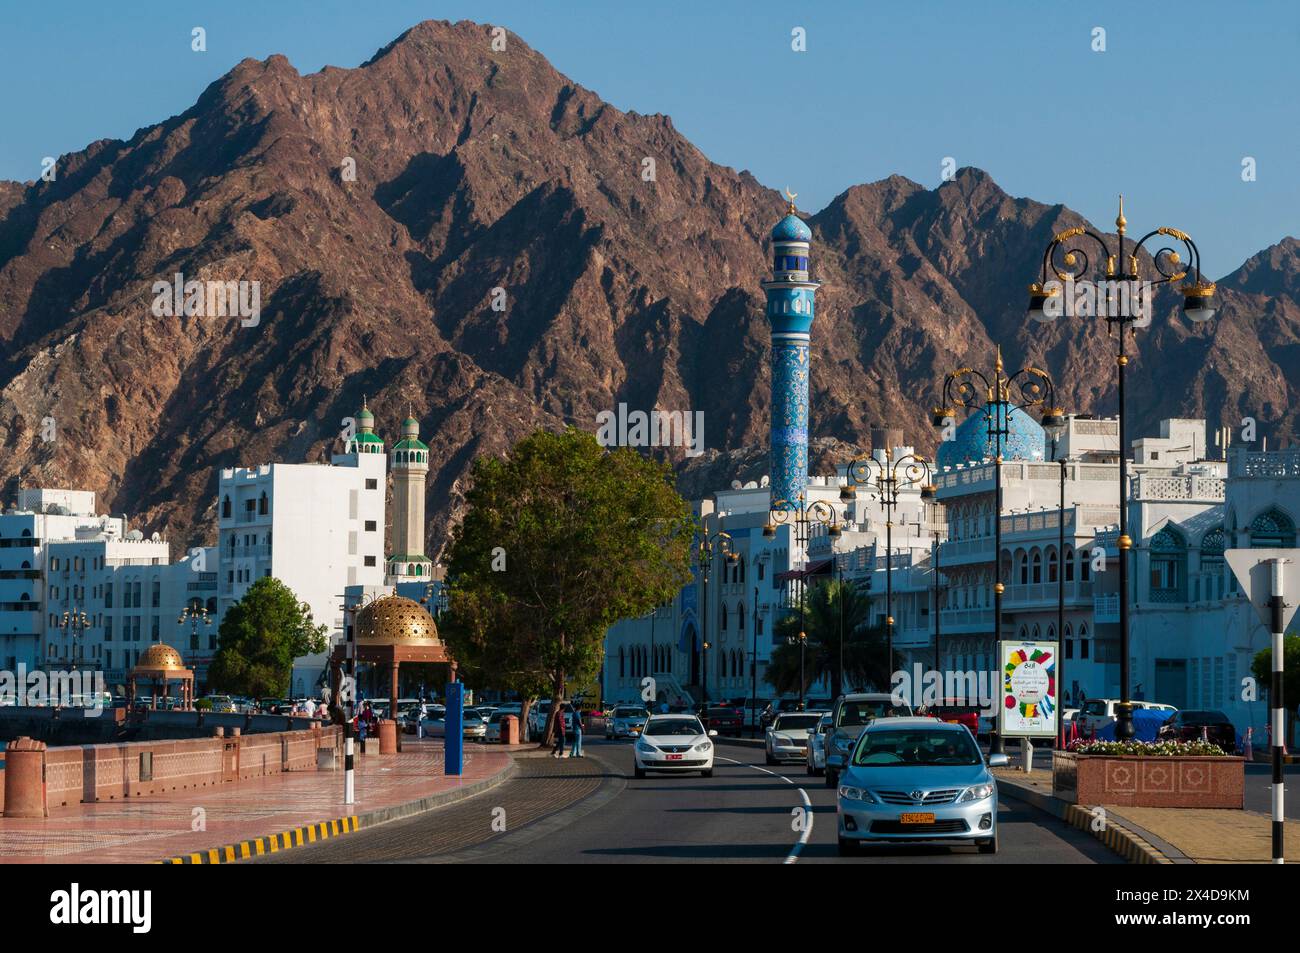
{"x": 719, "y": 542}
{"x": 1069, "y": 264}
{"x": 885, "y": 480}
{"x": 1060, "y": 602}
{"x": 997, "y": 397}
{"x": 753, "y": 672}
{"x": 802, "y": 515}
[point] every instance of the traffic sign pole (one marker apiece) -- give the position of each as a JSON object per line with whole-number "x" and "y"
{"x": 1264, "y": 581}
{"x": 1277, "y": 613}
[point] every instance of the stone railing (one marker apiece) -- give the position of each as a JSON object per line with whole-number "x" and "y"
{"x": 1264, "y": 464}
{"x": 90, "y": 773}
{"x": 1148, "y": 486}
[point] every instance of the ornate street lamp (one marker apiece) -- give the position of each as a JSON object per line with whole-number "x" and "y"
{"x": 885, "y": 480}
{"x": 196, "y": 614}
{"x": 801, "y": 515}
{"x": 75, "y": 624}
{"x": 1117, "y": 269}
{"x": 997, "y": 397}
{"x": 707, "y": 548}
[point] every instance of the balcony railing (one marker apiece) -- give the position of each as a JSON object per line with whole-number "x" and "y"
{"x": 1045, "y": 593}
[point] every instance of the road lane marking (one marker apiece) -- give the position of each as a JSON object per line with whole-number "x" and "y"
{"x": 793, "y": 856}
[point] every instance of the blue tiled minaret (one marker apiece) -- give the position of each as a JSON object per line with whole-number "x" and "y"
{"x": 790, "y": 310}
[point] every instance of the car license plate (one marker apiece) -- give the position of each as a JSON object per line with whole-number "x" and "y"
{"x": 916, "y": 818}
{"x": 674, "y": 757}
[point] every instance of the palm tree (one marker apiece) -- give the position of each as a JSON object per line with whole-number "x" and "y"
{"x": 864, "y": 645}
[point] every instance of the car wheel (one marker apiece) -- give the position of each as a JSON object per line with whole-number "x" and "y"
{"x": 989, "y": 846}
{"x": 770, "y": 759}
{"x": 639, "y": 772}
{"x": 707, "y": 774}
{"x": 847, "y": 847}
{"x": 830, "y": 778}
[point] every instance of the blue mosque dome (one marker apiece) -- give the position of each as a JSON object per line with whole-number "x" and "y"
{"x": 1025, "y": 440}
{"x": 791, "y": 229}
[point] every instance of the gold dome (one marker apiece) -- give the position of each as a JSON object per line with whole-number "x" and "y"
{"x": 161, "y": 656}
{"x": 395, "y": 620}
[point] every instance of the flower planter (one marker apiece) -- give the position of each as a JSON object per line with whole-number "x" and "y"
{"x": 1150, "y": 781}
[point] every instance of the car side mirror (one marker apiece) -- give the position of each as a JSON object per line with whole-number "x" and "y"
{"x": 713, "y": 732}
{"x": 998, "y": 761}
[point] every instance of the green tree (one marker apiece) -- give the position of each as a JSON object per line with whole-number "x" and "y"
{"x": 561, "y": 539}
{"x": 829, "y": 609}
{"x": 1262, "y": 668}
{"x": 260, "y": 636}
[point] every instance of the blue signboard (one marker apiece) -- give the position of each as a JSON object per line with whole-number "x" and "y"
{"x": 454, "y": 741}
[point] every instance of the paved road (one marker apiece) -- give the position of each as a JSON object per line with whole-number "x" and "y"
{"x": 1259, "y": 788}
{"x": 593, "y": 810}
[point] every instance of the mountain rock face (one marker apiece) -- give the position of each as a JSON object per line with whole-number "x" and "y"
{"x": 474, "y": 236}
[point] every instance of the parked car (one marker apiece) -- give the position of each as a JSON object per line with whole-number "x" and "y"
{"x": 1193, "y": 725}
{"x": 222, "y": 703}
{"x": 917, "y": 780}
{"x": 853, "y": 713}
{"x": 492, "y": 732}
{"x": 727, "y": 721}
{"x": 674, "y": 743}
{"x": 1097, "y": 713}
{"x": 787, "y": 739}
{"x": 815, "y": 758}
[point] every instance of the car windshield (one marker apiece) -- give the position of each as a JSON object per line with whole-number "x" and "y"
{"x": 914, "y": 746}
{"x": 865, "y": 712}
{"x": 630, "y": 713}
{"x": 1203, "y": 717}
{"x": 674, "y": 726}
{"x": 796, "y": 722}
{"x": 1095, "y": 708}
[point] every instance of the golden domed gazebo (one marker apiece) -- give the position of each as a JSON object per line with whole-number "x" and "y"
{"x": 160, "y": 665}
{"x": 389, "y": 631}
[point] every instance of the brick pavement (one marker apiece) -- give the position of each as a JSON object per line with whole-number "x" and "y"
{"x": 160, "y": 826}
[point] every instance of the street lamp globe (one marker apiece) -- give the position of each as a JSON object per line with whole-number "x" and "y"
{"x": 1199, "y": 303}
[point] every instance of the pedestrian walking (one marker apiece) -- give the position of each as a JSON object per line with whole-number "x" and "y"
{"x": 419, "y": 723}
{"x": 558, "y": 750}
{"x": 576, "y": 750}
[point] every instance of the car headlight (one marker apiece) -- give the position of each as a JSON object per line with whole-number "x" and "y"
{"x": 704, "y": 746}
{"x": 977, "y": 792}
{"x": 850, "y": 793}
{"x": 644, "y": 745}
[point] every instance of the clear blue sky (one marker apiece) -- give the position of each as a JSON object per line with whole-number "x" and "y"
{"x": 1166, "y": 114}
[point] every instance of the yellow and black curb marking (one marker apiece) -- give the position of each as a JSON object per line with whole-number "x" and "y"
{"x": 1132, "y": 847}
{"x": 272, "y": 844}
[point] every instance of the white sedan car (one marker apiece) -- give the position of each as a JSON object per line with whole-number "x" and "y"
{"x": 816, "y": 760}
{"x": 787, "y": 739}
{"x": 674, "y": 743}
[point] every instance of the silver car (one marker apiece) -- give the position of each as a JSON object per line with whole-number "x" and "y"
{"x": 918, "y": 780}
{"x": 628, "y": 721}
{"x": 853, "y": 713}
{"x": 816, "y": 756}
{"x": 787, "y": 739}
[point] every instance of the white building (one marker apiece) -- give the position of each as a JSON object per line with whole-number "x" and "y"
{"x": 40, "y": 517}
{"x": 1193, "y": 634}
{"x": 316, "y": 527}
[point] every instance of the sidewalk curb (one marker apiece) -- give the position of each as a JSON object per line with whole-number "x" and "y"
{"x": 339, "y": 826}
{"x": 1129, "y": 845}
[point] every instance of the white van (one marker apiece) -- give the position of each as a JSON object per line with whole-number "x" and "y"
{"x": 1097, "y": 713}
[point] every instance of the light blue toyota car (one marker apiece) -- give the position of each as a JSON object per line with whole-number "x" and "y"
{"x": 918, "y": 780}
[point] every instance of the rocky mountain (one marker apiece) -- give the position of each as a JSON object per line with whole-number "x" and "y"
{"x": 471, "y": 234}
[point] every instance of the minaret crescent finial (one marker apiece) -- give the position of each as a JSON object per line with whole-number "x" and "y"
{"x": 790, "y": 197}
